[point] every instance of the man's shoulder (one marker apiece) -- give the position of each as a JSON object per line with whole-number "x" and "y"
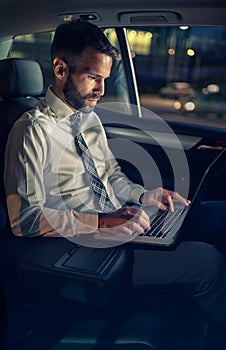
{"x": 32, "y": 120}
{"x": 33, "y": 116}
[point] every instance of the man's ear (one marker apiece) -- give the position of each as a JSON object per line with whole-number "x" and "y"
{"x": 60, "y": 69}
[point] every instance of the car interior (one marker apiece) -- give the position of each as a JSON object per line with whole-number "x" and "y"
{"x": 54, "y": 293}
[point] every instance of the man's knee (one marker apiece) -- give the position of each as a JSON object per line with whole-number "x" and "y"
{"x": 209, "y": 268}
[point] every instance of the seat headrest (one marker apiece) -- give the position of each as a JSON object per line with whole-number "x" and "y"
{"x": 20, "y": 77}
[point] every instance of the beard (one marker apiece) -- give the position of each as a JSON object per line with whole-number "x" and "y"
{"x": 75, "y": 99}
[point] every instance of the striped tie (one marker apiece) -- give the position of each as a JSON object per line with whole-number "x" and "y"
{"x": 97, "y": 185}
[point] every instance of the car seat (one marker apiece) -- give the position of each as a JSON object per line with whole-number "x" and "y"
{"x": 21, "y": 85}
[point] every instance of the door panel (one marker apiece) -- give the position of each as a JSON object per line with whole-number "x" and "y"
{"x": 154, "y": 157}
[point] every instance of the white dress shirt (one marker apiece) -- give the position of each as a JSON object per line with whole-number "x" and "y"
{"x": 47, "y": 188}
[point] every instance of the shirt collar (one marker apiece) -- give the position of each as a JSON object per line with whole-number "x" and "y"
{"x": 59, "y": 108}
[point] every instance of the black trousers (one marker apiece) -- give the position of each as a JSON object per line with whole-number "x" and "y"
{"x": 196, "y": 267}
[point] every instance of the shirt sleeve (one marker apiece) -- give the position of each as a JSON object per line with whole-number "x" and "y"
{"x": 126, "y": 190}
{"x": 26, "y": 157}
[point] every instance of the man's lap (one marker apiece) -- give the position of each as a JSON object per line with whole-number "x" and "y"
{"x": 184, "y": 268}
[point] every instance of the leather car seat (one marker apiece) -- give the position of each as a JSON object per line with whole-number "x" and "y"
{"x": 21, "y": 85}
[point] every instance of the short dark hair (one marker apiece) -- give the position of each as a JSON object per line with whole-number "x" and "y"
{"x": 71, "y": 38}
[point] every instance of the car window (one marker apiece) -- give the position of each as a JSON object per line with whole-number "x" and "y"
{"x": 37, "y": 47}
{"x": 181, "y": 72}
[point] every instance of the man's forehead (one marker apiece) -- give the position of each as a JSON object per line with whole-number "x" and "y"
{"x": 90, "y": 54}
{"x": 91, "y": 60}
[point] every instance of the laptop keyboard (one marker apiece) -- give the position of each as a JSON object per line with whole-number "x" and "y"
{"x": 164, "y": 221}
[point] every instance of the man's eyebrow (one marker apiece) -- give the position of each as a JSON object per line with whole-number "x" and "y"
{"x": 98, "y": 75}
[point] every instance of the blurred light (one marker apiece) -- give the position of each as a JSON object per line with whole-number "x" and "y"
{"x": 177, "y": 105}
{"x": 190, "y": 52}
{"x": 148, "y": 35}
{"x": 213, "y": 88}
{"x": 171, "y": 52}
{"x": 140, "y": 41}
{"x": 184, "y": 27}
{"x": 133, "y": 32}
{"x": 189, "y": 106}
{"x": 141, "y": 33}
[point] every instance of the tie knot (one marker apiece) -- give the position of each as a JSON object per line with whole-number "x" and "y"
{"x": 76, "y": 123}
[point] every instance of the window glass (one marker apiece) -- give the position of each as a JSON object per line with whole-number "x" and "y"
{"x": 37, "y": 47}
{"x": 181, "y": 72}
{"x": 116, "y": 85}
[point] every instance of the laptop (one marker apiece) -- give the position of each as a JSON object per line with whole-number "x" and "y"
{"x": 167, "y": 228}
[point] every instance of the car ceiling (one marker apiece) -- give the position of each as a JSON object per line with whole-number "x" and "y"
{"x": 28, "y": 16}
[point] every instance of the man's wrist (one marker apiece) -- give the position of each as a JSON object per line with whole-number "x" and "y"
{"x": 141, "y": 198}
{"x": 101, "y": 220}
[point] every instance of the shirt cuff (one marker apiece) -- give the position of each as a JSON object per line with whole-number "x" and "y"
{"x": 136, "y": 193}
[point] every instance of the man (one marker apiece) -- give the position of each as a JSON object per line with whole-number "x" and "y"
{"x": 62, "y": 179}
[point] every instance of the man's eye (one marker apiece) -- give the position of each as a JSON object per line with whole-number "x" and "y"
{"x": 92, "y": 77}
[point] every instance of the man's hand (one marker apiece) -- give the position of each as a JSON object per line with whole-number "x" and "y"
{"x": 130, "y": 219}
{"x": 125, "y": 220}
{"x": 159, "y": 197}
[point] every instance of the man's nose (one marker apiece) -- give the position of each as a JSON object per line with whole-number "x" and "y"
{"x": 100, "y": 87}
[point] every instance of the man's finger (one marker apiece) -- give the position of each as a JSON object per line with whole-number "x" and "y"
{"x": 179, "y": 198}
{"x": 169, "y": 200}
